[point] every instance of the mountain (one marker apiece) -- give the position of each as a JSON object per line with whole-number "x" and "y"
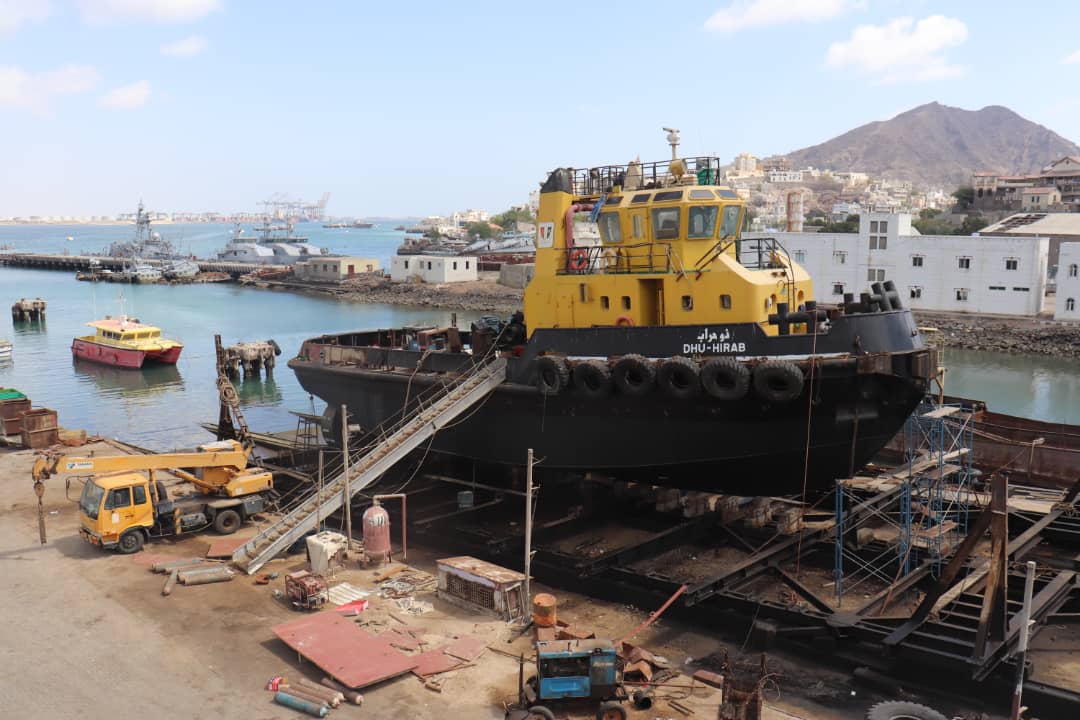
{"x": 940, "y": 146}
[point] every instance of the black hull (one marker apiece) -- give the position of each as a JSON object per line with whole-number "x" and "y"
{"x": 744, "y": 447}
{"x": 870, "y": 374}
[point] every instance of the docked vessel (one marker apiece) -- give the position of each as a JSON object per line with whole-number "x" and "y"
{"x": 276, "y": 244}
{"x": 126, "y": 343}
{"x": 5, "y": 350}
{"x": 146, "y": 244}
{"x": 672, "y": 351}
{"x": 180, "y": 270}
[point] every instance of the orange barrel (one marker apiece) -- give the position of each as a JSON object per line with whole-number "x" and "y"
{"x": 544, "y": 610}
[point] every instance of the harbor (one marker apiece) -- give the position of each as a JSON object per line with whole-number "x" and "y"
{"x": 847, "y": 502}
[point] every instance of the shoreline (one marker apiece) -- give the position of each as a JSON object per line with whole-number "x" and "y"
{"x": 1003, "y": 334}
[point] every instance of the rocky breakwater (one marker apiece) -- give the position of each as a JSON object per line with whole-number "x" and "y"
{"x": 1009, "y": 335}
{"x": 483, "y": 295}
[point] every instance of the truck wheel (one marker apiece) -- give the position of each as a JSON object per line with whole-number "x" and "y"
{"x": 611, "y": 710}
{"x": 130, "y": 542}
{"x": 226, "y": 522}
{"x": 539, "y": 712}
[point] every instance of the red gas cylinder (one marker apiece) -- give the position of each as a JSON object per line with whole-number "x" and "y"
{"x": 376, "y": 522}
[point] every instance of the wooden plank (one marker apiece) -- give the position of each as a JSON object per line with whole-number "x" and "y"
{"x": 941, "y": 412}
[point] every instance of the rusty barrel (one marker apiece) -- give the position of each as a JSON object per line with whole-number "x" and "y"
{"x": 544, "y": 610}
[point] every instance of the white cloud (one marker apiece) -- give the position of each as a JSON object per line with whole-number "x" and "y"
{"x": 1072, "y": 59}
{"x": 902, "y": 50}
{"x": 102, "y": 12}
{"x": 35, "y": 91}
{"x": 16, "y": 13}
{"x": 757, "y": 13}
{"x": 187, "y": 47}
{"x": 127, "y": 97}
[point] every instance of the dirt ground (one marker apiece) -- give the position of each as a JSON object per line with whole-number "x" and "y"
{"x": 87, "y": 633}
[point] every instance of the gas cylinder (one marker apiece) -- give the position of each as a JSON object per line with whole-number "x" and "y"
{"x": 376, "y": 527}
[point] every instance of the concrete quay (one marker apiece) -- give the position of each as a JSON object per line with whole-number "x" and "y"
{"x": 45, "y": 261}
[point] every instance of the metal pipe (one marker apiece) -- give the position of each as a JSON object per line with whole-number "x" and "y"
{"x": 348, "y": 488}
{"x": 306, "y": 694}
{"x": 206, "y": 578}
{"x": 169, "y": 565}
{"x": 1021, "y": 650}
{"x": 331, "y": 696}
{"x": 528, "y": 525}
{"x": 291, "y": 701}
{"x": 351, "y": 695}
{"x": 401, "y": 496}
{"x": 169, "y": 584}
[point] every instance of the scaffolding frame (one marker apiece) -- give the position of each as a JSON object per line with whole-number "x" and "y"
{"x": 935, "y": 492}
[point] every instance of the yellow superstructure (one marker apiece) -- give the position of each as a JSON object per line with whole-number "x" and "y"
{"x": 129, "y": 335}
{"x": 669, "y": 253}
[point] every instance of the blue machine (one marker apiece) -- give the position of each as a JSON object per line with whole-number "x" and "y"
{"x": 574, "y": 670}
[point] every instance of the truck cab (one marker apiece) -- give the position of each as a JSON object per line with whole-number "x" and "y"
{"x": 111, "y": 505}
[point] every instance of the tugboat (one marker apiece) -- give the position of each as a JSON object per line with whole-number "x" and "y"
{"x": 672, "y": 351}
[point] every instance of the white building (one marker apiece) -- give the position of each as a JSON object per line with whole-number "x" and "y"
{"x": 785, "y": 176}
{"x": 1068, "y": 282}
{"x": 334, "y": 269}
{"x": 433, "y": 268}
{"x": 954, "y": 273}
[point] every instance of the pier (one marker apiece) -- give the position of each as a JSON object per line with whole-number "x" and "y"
{"x": 76, "y": 263}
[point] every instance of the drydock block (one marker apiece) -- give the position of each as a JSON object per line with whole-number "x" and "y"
{"x": 345, "y": 652}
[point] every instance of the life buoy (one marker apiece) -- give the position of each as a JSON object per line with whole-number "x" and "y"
{"x": 552, "y": 375}
{"x": 592, "y": 378}
{"x": 624, "y": 321}
{"x": 578, "y": 259}
{"x": 678, "y": 377}
{"x": 725, "y": 378}
{"x": 634, "y": 375}
{"x": 778, "y": 381}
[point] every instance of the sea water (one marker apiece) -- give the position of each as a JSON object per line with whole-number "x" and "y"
{"x": 160, "y": 407}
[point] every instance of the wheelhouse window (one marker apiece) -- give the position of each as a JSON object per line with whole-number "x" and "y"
{"x": 702, "y": 221}
{"x": 637, "y": 229}
{"x": 665, "y": 223}
{"x": 610, "y": 229}
{"x": 729, "y": 225}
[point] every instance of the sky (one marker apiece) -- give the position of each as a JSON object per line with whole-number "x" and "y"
{"x": 424, "y": 107}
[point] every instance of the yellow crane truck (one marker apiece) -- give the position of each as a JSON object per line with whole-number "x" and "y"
{"x": 122, "y": 505}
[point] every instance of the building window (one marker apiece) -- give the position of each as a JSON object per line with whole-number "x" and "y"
{"x": 687, "y": 302}
{"x": 838, "y": 289}
{"x": 1073, "y": 270}
{"x": 878, "y": 242}
{"x": 839, "y": 257}
{"x": 884, "y": 226}
{"x": 625, "y": 302}
{"x": 725, "y": 302}
{"x": 873, "y": 226}
{"x": 997, "y": 287}
{"x": 429, "y": 265}
{"x": 916, "y": 260}
{"x": 963, "y": 263}
{"x": 800, "y": 256}
{"x": 1070, "y": 304}
{"x": 1021, "y": 289}
{"x": 466, "y": 264}
{"x": 455, "y": 264}
{"x": 604, "y": 302}
{"x": 406, "y": 264}
{"x": 1011, "y": 263}
{"x": 916, "y": 292}
{"x": 875, "y": 275}
{"x": 961, "y": 294}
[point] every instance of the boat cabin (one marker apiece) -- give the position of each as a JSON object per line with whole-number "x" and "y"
{"x": 670, "y": 251}
{"x": 124, "y": 331}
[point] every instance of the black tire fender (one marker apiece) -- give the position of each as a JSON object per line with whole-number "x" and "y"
{"x": 679, "y": 377}
{"x": 725, "y": 378}
{"x": 227, "y": 521}
{"x": 592, "y": 378}
{"x": 778, "y": 381}
{"x": 277, "y": 348}
{"x": 899, "y": 710}
{"x": 634, "y": 375}
{"x": 552, "y": 374}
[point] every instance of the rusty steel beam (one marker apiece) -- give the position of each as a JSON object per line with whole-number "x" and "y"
{"x": 876, "y": 604}
{"x": 992, "y": 617}
{"x": 806, "y": 593}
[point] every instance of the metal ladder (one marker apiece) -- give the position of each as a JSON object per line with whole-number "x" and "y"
{"x": 394, "y": 443}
